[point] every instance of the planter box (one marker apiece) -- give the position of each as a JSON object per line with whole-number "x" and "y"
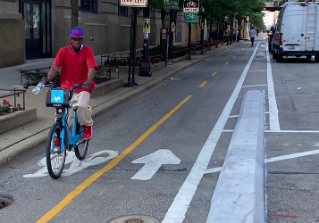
{"x": 158, "y": 66}
{"x": 179, "y": 59}
{"x": 126, "y": 68}
{"x": 155, "y": 67}
{"x": 211, "y": 48}
{"x": 105, "y": 87}
{"x": 17, "y": 119}
{"x": 199, "y": 52}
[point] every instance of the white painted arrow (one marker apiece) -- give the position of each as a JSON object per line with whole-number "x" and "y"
{"x": 153, "y": 162}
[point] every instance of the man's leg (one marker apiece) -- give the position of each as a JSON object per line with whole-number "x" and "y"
{"x": 84, "y": 112}
{"x": 252, "y": 41}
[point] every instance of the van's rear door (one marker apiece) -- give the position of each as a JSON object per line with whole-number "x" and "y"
{"x": 293, "y": 28}
{"x": 310, "y": 30}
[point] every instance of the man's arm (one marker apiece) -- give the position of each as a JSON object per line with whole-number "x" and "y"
{"x": 51, "y": 74}
{"x": 91, "y": 74}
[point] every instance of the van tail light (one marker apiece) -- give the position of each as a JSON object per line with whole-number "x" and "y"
{"x": 280, "y": 39}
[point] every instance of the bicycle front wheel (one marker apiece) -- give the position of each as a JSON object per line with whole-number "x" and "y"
{"x": 81, "y": 149}
{"x": 55, "y": 154}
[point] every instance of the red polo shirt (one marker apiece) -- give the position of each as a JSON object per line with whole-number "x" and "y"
{"x": 75, "y": 67}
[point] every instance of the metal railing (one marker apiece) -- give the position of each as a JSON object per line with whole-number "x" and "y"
{"x": 16, "y": 93}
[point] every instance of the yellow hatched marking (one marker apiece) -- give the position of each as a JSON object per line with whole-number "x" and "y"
{"x": 226, "y": 63}
{"x": 214, "y": 74}
{"x": 78, "y": 190}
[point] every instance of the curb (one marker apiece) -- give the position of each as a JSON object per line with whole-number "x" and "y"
{"x": 24, "y": 145}
{"x": 239, "y": 193}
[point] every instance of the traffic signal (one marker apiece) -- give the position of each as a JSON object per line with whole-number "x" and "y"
{"x": 237, "y": 13}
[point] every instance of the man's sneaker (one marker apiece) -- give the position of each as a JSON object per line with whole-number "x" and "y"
{"x": 87, "y": 133}
{"x": 56, "y": 141}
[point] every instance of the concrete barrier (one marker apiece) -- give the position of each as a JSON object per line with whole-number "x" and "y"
{"x": 17, "y": 119}
{"x": 239, "y": 194}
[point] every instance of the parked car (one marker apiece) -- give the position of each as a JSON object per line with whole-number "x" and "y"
{"x": 296, "y": 33}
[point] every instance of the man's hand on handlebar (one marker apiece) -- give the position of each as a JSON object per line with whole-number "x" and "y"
{"x": 87, "y": 84}
{"x": 44, "y": 80}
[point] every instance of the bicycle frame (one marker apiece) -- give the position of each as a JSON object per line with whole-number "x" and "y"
{"x": 72, "y": 137}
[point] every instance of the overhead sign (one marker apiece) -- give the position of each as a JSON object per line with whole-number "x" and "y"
{"x": 134, "y": 3}
{"x": 146, "y": 26}
{"x": 191, "y": 17}
{"x": 191, "y": 6}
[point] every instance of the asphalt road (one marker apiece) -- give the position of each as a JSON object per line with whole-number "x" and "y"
{"x": 171, "y": 122}
{"x": 292, "y": 183}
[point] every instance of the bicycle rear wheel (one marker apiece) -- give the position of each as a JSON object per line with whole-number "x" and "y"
{"x": 55, "y": 155}
{"x": 81, "y": 149}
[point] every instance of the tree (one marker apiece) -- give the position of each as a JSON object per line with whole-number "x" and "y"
{"x": 256, "y": 19}
{"x": 74, "y": 13}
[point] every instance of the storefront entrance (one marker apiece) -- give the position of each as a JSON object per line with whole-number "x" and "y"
{"x": 37, "y": 20}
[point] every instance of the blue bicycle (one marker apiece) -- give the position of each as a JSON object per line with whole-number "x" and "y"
{"x": 60, "y": 138}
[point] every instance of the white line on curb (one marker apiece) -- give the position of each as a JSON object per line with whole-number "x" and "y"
{"x": 273, "y": 109}
{"x": 176, "y": 212}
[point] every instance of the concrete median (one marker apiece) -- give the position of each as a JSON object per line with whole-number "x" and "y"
{"x": 239, "y": 193}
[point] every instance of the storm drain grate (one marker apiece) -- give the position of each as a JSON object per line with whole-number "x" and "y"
{"x": 134, "y": 219}
{"x": 5, "y": 202}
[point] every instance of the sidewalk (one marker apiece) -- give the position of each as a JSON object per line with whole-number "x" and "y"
{"x": 26, "y": 137}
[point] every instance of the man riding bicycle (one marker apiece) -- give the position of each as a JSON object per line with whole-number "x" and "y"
{"x": 78, "y": 66}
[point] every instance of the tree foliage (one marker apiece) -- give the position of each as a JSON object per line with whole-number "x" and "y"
{"x": 256, "y": 19}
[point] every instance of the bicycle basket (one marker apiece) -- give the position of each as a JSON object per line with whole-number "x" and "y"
{"x": 57, "y": 98}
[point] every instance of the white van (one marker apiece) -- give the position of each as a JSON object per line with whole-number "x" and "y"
{"x": 297, "y": 31}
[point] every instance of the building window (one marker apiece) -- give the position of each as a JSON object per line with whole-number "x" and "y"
{"x": 89, "y": 6}
{"x": 123, "y": 11}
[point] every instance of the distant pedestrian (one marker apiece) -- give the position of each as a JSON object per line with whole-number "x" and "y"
{"x": 252, "y": 34}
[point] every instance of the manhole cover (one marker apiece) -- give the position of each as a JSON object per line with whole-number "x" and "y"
{"x": 134, "y": 219}
{"x": 5, "y": 202}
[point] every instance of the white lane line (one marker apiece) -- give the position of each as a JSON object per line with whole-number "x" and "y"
{"x": 274, "y": 159}
{"x": 176, "y": 212}
{"x": 291, "y": 156}
{"x": 294, "y": 131}
{"x": 213, "y": 170}
{"x": 273, "y": 109}
{"x": 260, "y": 85}
{"x": 236, "y": 116}
{"x": 282, "y": 131}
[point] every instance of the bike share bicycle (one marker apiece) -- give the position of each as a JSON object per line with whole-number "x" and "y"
{"x": 60, "y": 138}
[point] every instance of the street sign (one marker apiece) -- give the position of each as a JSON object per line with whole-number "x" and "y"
{"x": 146, "y": 26}
{"x": 191, "y": 17}
{"x": 134, "y": 3}
{"x": 191, "y": 6}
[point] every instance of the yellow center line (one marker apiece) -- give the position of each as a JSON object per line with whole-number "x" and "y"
{"x": 78, "y": 190}
{"x": 214, "y": 74}
{"x": 226, "y": 63}
{"x": 202, "y": 85}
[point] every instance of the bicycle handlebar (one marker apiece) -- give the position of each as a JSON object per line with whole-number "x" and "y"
{"x": 52, "y": 85}
{"x": 74, "y": 87}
